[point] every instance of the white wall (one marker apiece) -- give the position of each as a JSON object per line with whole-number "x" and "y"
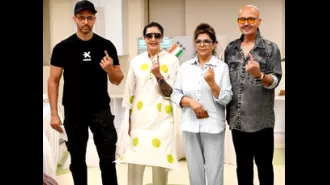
{"x": 170, "y": 14}
{"x": 58, "y": 26}
{"x": 179, "y": 17}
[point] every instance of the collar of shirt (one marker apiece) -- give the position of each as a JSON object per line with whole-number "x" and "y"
{"x": 212, "y": 62}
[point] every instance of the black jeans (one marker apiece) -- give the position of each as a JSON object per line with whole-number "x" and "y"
{"x": 260, "y": 146}
{"x": 105, "y": 137}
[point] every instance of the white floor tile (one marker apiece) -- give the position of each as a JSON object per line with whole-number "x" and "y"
{"x": 179, "y": 176}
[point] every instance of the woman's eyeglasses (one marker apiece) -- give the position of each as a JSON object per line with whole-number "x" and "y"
{"x": 151, "y": 35}
{"x": 206, "y": 42}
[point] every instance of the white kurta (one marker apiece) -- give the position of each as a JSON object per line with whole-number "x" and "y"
{"x": 152, "y": 124}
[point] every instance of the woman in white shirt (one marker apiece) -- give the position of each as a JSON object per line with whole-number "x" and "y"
{"x": 202, "y": 90}
{"x": 147, "y": 95}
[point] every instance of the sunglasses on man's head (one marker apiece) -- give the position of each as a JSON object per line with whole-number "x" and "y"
{"x": 155, "y": 35}
{"x": 250, "y": 20}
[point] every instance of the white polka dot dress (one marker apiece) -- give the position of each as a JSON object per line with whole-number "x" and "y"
{"x": 152, "y": 124}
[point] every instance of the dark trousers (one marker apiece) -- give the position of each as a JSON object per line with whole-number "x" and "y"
{"x": 105, "y": 137}
{"x": 258, "y": 146}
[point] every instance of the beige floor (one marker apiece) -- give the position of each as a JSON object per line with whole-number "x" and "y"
{"x": 177, "y": 177}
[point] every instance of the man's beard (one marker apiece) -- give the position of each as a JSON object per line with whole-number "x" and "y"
{"x": 85, "y": 29}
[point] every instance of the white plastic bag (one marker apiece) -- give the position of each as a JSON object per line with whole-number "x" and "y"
{"x": 122, "y": 133}
{"x": 49, "y": 165}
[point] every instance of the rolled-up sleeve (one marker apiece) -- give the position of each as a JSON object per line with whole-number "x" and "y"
{"x": 226, "y": 92}
{"x": 173, "y": 74}
{"x": 274, "y": 84}
{"x": 274, "y": 67}
{"x": 177, "y": 93}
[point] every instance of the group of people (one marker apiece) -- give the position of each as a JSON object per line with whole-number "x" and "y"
{"x": 239, "y": 90}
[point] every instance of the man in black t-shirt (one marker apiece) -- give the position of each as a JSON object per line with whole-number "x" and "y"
{"x": 87, "y": 61}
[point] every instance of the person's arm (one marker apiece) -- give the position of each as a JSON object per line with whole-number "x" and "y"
{"x": 179, "y": 99}
{"x": 55, "y": 74}
{"x": 115, "y": 75}
{"x": 165, "y": 88}
{"x": 224, "y": 94}
{"x": 114, "y": 72}
{"x": 177, "y": 96}
{"x": 166, "y": 85}
{"x": 185, "y": 101}
{"x": 177, "y": 93}
{"x": 54, "y": 78}
{"x": 273, "y": 69}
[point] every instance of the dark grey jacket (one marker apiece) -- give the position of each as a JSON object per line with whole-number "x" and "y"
{"x": 252, "y": 105}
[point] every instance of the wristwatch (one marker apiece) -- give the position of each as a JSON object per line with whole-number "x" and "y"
{"x": 261, "y": 77}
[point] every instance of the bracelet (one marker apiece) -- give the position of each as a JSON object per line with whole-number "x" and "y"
{"x": 160, "y": 79}
{"x": 261, "y": 77}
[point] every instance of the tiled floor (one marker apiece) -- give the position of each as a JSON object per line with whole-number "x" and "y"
{"x": 177, "y": 177}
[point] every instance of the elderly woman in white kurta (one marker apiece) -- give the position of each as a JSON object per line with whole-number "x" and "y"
{"x": 202, "y": 89}
{"x": 147, "y": 95}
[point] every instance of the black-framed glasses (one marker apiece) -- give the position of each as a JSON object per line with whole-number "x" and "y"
{"x": 83, "y": 18}
{"x": 151, "y": 35}
{"x": 250, "y": 20}
{"x": 206, "y": 42}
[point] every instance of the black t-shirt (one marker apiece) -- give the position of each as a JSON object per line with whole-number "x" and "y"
{"x": 85, "y": 82}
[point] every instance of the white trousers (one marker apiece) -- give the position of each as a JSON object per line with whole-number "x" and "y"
{"x": 205, "y": 157}
{"x": 135, "y": 175}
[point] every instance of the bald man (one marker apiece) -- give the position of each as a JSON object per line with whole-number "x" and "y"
{"x": 255, "y": 71}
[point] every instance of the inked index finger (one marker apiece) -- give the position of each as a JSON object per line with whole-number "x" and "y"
{"x": 106, "y": 54}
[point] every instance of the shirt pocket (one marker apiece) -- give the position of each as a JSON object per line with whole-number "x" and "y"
{"x": 234, "y": 67}
{"x": 262, "y": 59}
